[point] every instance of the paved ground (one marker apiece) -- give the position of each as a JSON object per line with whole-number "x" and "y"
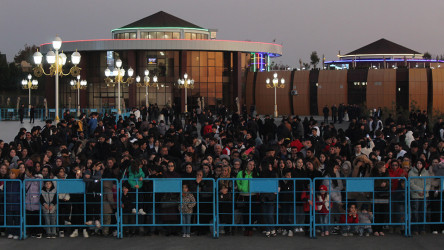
{"x": 231, "y": 242}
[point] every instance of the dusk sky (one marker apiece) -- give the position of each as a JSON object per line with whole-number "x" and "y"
{"x": 300, "y": 26}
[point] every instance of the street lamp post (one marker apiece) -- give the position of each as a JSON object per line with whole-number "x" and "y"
{"x": 275, "y": 83}
{"x": 118, "y": 74}
{"x": 57, "y": 61}
{"x": 146, "y": 82}
{"x": 29, "y": 84}
{"x": 185, "y": 83}
{"x": 78, "y": 85}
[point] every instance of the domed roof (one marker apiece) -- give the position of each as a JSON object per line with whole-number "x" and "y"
{"x": 161, "y": 19}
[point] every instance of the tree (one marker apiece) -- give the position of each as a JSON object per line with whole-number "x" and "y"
{"x": 26, "y": 54}
{"x": 314, "y": 59}
{"x": 306, "y": 66}
{"x": 427, "y": 56}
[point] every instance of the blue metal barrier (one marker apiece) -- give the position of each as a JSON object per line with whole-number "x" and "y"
{"x": 11, "y": 207}
{"x": 77, "y": 205}
{"x": 159, "y": 203}
{"x": 220, "y": 204}
{"x": 269, "y": 203}
{"x": 382, "y": 201}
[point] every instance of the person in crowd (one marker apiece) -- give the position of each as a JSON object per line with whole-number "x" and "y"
{"x": 48, "y": 199}
{"x": 349, "y": 219}
{"x": 186, "y": 209}
{"x": 365, "y": 217}
{"x": 419, "y": 192}
{"x": 323, "y": 208}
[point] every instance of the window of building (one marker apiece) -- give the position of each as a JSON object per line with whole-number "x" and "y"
{"x": 176, "y": 35}
{"x": 187, "y": 35}
{"x": 168, "y": 35}
{"x": 159, "y": 35}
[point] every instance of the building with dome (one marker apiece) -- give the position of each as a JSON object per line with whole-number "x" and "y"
{"x": 168, "y": 47}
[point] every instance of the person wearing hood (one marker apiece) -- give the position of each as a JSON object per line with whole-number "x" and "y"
{"x": 419, "y": 193}
{"x": 48, "y": 200}
{"x": 162, "y": 128}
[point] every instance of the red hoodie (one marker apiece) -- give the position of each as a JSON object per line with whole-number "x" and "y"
{"x": 399, "y": 172}
{"x": 350, "y": 219}
{"x": 305, "y": 196}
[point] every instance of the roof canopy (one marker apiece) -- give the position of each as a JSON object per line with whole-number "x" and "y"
{"x": 161, "y": 19}
{"x": 382, "y": 46}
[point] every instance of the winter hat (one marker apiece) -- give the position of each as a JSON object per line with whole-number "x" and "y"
{"x": 323, "y": 187}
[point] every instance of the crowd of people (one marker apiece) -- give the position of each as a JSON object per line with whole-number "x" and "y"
{"x": 148, "y": 145}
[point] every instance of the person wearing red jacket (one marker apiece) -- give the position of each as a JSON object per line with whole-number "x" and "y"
{"x": 323, "y": 208}
{"x": 308, "y": 202}
{"x": 350, "y": 219}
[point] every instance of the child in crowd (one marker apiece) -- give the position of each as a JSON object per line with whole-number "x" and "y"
{"x": 365, "y": 216}
{"x": 186, "y": 209}
{"x": 323, "y": 208}
{"x": 127, "y": 207}
{"x": 48, "y": 199}
{"x": 351, "y": 218}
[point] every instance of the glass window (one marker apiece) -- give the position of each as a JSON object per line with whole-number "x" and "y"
{"x": 159, "y": 35}
{"x": 199, "y": 36}
{"x": 126, "y": 36}
{"x": 168, "y": 35}
{"x": 144, "y": 35}
{"x": 211, "y": 74}
{"x": 187, "y": 35}
{"x": 176, "y": 35}
{"x": 205, "y": 37}
{"x": 193, "y": 36}
{"x": 133, "y": 35}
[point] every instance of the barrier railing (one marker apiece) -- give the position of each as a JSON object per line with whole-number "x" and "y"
{"x": 26, "y": 208}
{"x": 11, "y": 207}
{"x": 69, "y": 203}
{"x": 359, "y": 204}
{"x": 425, "y": 196}
{"x": 163, "y": 203}
{"x": 263, "y": 202}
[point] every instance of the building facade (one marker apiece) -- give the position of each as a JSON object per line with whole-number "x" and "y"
{"x": 381, "y": 74}
{"x": 168, "y": 47}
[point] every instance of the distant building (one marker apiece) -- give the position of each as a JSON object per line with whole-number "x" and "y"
{"x": 381, "y": 54}
{"x": 381, "y": 74}
{"x": 168, "y": 47}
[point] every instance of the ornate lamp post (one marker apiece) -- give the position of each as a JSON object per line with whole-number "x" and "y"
{"x": 275, "y": 83}
{"x": 57, "y": 61}
{"x": 185, "y": 83}
{"x": 29, "y": 84}
{"x": 146, "y": 82}
{"x": 78, "y": 85}
{"x": 118, "y": 73}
